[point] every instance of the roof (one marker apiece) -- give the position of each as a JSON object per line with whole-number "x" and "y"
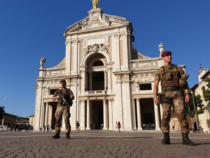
{"x": 195, "y": 86}
{"x": 201, "y": 70}
{"x": 206, "y": 74}
{"x": 10, "y": 114}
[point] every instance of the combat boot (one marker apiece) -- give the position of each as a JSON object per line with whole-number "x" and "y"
{"x": 166, "y": 139}
{"x": 57, "y": 135}
{"x": 67, "y": 135}
{"x": 186, "y": 140}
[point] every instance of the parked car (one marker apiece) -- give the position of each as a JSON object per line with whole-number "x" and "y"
{"x": 3, "y": 128}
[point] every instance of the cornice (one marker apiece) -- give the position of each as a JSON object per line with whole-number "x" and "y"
{"x": 52, "y": 69}
{"x": 102, "y": 28}
{"x": 57, "y": 77}
{"x": 121, "y": 72}
{"x": 145, "y": 60}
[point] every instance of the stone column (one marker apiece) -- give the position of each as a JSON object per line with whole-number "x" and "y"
{"x": 110, "y": 115}
{"x": 90, "y": 81}
{"x": 50, "y": 117}
{"x": 82, "y": 114}
{"x": 134, "y": 115}
{"x": 126, "y": 104}
{"x": 105, "y": 80}
{"x": 105, "y": 114}
{"x": 74, "y": 108}
{"x": 42, "y": 115}
{"x": 138, "y": 114}
{"x": 46, "y": 114}
{"x": 109, "y": 80}
{"x": 118, "y": 100}
{"x": 157, "y": 123}
{"x": 88, "y": 115}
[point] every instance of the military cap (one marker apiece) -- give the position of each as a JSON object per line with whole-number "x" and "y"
{"x": 166, "y": 53}
{"x": 63, "y": 81}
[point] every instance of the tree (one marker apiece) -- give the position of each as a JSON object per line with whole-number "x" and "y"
{"x": 207, "y": 92}
{"x": 2, "y": 112}
{"x": 199, "y": 107}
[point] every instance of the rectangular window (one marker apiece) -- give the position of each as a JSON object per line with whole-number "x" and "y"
{"x": 52, "y": 91}
{"x": 144, "y": 87}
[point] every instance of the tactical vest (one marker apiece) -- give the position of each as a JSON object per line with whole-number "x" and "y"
{"x": 170, "y": 76}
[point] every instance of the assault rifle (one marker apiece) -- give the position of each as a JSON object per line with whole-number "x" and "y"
{"x": 62, "y": 98}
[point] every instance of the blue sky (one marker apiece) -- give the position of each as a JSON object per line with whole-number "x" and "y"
{"x": 31, "y": 29}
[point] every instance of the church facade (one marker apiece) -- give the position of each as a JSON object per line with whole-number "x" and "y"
{"x": 203, "y": 120}
{"x": 111, "y": 81}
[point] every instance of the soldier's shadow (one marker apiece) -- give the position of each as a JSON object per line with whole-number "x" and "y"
{"x": 203, "y": 143}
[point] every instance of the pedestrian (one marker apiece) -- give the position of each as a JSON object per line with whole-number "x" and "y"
{"x": 47, "y": 128}
{"x": 173, "y": 128}
{"x": 119, "y": 126}
{"x": 63, "y": 109}
{"x": 179, "y": 128}
{"x": 116, "y": 126}
{"x": 77, "y": 126}
{"x": 173, "y": 83}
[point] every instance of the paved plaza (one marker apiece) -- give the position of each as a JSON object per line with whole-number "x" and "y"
{"x": 100, "y": 144}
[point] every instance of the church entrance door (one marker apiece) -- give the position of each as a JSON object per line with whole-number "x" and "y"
{"x": 147, "y": 113}
{"x": 97, "y": 115}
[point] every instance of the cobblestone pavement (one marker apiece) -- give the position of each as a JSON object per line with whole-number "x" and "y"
{"x": 100, "y": 144}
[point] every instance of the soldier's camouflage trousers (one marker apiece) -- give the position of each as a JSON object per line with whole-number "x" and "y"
{"x": 62, "y": 110}
{"x": 176, "y": 98}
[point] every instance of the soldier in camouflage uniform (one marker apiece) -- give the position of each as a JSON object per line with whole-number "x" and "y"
{"x": 173, "y": 83}
{"x": 63, "y": 109}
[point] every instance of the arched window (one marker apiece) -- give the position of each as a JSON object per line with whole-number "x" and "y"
{"x": 98, "y": 63}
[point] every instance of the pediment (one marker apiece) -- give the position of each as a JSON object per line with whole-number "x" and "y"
{"x": 96, "y": 20}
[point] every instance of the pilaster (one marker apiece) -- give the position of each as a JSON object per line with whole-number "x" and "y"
{"x": 134, "y": 115}
{"x": 82, "y": 114}
{"x": 105, "y": 114}
{"x": 117, "y": 51}
{"x": 46, "y": 114}
{"x": 88, "y": 115}
{"x": 68, "y": 57}
{"x": 110, "y": 115}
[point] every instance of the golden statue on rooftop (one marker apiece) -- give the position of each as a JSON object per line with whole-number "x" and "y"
{"x": 95, "y": 4}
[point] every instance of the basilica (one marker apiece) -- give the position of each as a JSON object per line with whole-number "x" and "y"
{"x": 110, "y": 79}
